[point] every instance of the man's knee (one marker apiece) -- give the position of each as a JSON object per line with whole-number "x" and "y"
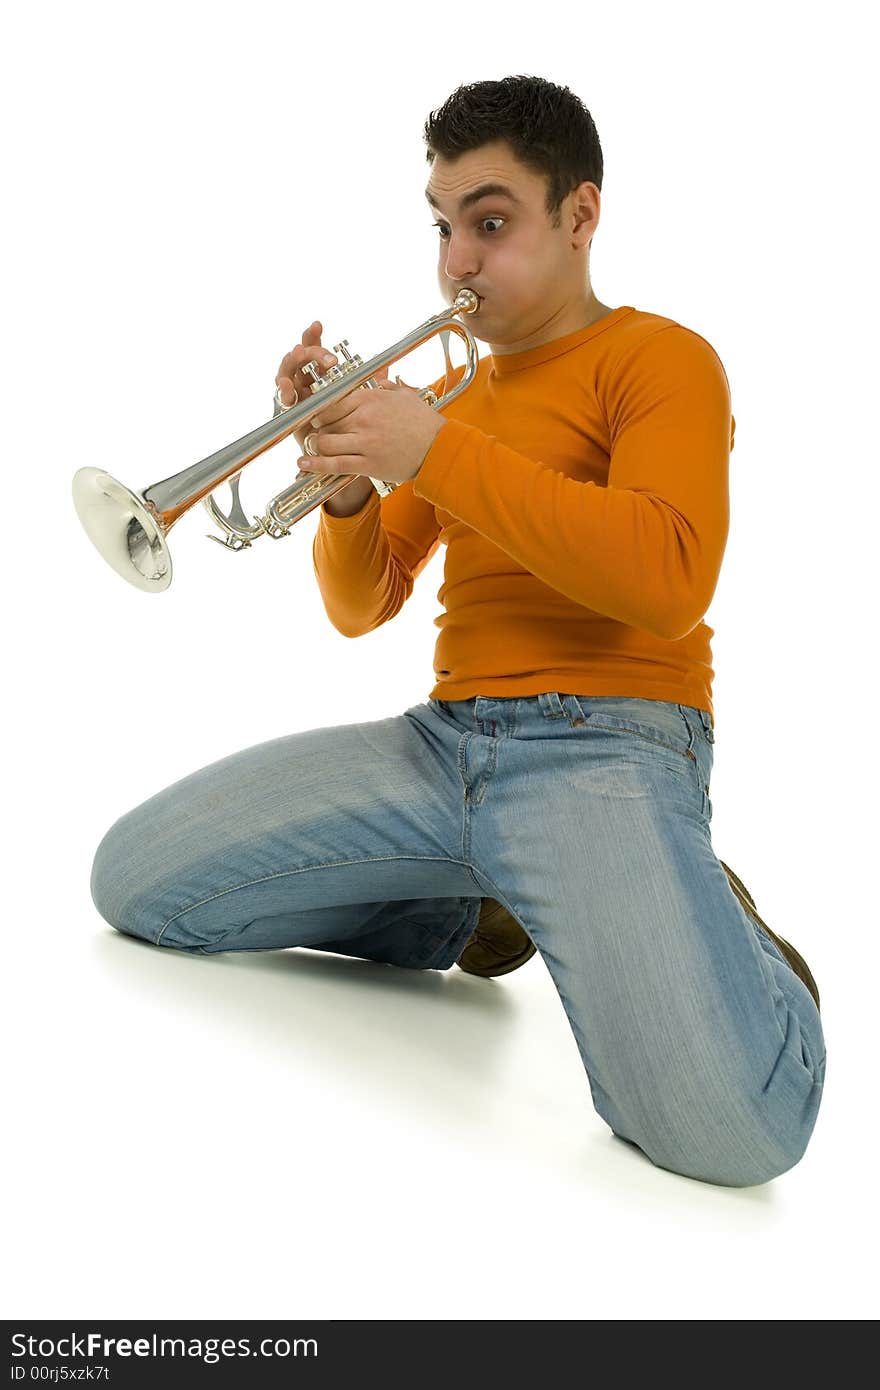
{"x": 744, "y": 1141}
{"x": 751, "y": 1168}
{"x": 741, "y": 1165}
{"x": 114, "y": 887}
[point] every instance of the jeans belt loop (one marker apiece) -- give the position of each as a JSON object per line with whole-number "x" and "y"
{"x": 551, "y": 705}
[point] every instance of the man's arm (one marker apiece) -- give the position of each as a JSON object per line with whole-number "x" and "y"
{"x": 366, "y": 565}
{"x": 647, "y": 548}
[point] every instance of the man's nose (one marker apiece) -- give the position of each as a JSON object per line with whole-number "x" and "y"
{"x": 461, "y": 263}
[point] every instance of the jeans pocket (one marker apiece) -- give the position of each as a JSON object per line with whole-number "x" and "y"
{"x": 655, "y": 733}
{"x": 666, "y": 728}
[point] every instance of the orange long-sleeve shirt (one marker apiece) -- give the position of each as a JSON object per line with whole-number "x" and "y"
{"x": 581, "y": 491}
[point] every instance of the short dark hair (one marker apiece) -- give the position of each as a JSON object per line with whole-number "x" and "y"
{"x": 547, "y": 127}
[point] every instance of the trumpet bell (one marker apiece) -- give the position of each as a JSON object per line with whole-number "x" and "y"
{"x": 123, "y": 529}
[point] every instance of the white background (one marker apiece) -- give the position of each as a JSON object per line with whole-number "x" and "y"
{"x": 297, "y": 1134}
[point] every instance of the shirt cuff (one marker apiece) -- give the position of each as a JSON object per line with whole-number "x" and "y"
{"x": 446, "y": 447}
{"x": 348, "y": 523}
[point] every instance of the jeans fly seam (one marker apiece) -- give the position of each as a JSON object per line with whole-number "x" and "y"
{"x": 310, "y": 868}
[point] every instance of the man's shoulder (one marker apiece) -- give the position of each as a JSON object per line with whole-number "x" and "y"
{"x": 644, "y": 337}
{"x": 642, "y": 325}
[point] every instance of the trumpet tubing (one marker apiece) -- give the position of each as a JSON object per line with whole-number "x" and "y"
{"x": 130, "y": 529}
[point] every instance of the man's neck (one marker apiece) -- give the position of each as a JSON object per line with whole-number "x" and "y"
{"x": 578, "y": 318}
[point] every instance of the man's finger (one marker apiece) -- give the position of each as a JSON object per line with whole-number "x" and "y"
{"x": 343, "y": 463}
{"x": 330, "y": 445}
{"x": 286, "y": 391}
{"x": 331, "y": 414}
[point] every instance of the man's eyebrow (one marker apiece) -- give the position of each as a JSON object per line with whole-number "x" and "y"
{"x": 485, "y": 190}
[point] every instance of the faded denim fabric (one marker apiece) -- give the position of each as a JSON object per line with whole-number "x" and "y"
{"x": 587, "y": 817}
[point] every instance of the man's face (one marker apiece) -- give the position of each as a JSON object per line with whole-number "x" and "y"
{"x": 504, "y": 247}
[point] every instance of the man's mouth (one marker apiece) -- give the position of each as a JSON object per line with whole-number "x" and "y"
{"x": 480, "y": 297}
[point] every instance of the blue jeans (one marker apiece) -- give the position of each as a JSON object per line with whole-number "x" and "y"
{"x": 586, "y": 817}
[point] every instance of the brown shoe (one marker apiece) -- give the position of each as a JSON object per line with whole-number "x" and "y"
{"x": 498, "y": 944}
{"x": 794, "y": 958}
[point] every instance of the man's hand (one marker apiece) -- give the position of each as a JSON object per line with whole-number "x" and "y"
{"x": 383, "y": 433}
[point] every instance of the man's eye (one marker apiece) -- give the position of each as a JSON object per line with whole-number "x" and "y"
{"x": 440, "y": 225}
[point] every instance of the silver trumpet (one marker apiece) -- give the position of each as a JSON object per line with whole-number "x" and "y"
{"x": 130, "y": 529}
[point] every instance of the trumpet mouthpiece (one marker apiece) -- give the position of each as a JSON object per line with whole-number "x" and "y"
{"x": 468, "y": 300}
